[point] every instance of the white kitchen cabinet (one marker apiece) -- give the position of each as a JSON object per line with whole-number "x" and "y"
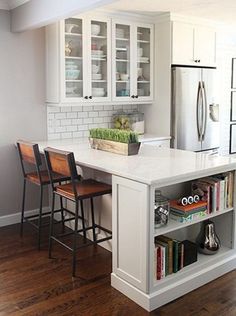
{"x": 78, "y": 60}
{"x": 132, "y": 66}
{"x": 164, "y": 143}
{"x": 84, "y": 57}
{"x": 193, "y": 45}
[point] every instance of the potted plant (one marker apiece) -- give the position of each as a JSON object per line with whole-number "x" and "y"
{"x": 114, "y": 140}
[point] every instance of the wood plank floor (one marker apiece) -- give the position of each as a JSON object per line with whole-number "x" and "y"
{"x": 31, "y": 284}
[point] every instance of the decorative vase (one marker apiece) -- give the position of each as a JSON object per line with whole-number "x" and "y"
{"x": 207, "y": 240}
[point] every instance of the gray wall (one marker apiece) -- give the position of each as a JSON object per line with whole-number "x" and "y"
{"x": 22, "y": 107}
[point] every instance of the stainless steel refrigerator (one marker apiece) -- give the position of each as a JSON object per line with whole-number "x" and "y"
{"x": 195, "y": 112}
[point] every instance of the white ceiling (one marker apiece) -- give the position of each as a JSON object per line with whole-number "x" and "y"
{"x": 219, "y": 10}
{"x": 11, "y": 4}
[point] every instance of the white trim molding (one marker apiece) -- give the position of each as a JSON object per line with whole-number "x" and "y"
{"x": 15, "y": 218}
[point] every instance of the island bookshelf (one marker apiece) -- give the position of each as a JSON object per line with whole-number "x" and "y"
{"x": 133, "y": 255}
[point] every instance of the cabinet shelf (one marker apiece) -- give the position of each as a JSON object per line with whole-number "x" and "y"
{"x": 143, "y": 42}
{"x": 73, "y": 57}
{"x": 143, "y": 62}
{"x": 98, "y": 37}
{"x": 204, "y": 261}
{"x": 122, "y": 39}
{"x": 74, "y": 80}
{"x": 73, "y": 34}
{"x": 121, "y": 49}
{"x": 123, "y": 60}
{"x": 174, "y": 225}
{"x": 99, "y": 58}
{"x": 99, "y": 81}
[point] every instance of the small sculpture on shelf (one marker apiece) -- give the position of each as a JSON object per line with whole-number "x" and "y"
{"x": 207, "y": 240}
{"x": 68, "y": 48}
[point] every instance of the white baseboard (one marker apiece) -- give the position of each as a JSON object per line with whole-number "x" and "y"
{"x": 16, "y": 217}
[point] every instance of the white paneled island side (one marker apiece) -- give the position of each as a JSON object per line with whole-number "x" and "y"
{"x": 134, "y": 181}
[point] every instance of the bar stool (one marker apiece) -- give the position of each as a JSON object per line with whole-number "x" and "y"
{"x": 77, "y": 190}
{"x": 29, "y": 154}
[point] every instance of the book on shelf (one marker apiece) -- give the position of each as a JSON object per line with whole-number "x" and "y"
{"x": 214, "y": 193}
{"x": 183, "y": 254}
{"x": 169, "y": 243}
{"x": 189, "y": 218}
{"x": 165, "y": 245}
{"x": 203, "y": 190}
{"x": 187, "y": 213}
{"x": 216, "y": 190}
{"x": 175, "y": 255}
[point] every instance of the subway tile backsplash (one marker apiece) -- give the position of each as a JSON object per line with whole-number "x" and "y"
{"x": 75, "y": 122}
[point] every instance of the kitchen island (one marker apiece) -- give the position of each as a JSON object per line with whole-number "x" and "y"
{"x": 134, "y": 181}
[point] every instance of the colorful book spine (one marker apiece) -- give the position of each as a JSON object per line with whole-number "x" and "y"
{"x": 169, "y": 241}
{"x": 175, "y": 255}
{"x": 159, "y": 263}
{"x": 165, "y": 245}
{"x": 181, "y": 256}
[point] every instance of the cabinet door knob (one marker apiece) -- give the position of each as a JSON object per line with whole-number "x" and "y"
{"x": 133, "y": 96}
{"x": 196, "y": 60}
{"x": 86, "y": 97}
{"x": 90, "y": 97}
{"x": 136, "y": 96}
{"x": 199, "y": 60}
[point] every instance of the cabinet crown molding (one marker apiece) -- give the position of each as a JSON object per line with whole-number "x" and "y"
{"x": 169, "y": 16}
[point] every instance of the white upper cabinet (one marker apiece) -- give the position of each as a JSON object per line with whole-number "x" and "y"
{"x": 205, "y": 45}
{"x": 85, "y": 55}
{"x": 132, "y": 61}
{"x": 193, "y": 45}
{"x": 78, "y": 54}
{"x": 88, "y": 61}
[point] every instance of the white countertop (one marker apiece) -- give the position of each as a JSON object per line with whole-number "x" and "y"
{"x": 152, "y": 166}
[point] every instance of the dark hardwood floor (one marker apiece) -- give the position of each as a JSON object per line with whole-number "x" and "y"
{"x": 31, "y": 284}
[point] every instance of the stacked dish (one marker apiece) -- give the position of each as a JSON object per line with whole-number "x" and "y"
{"x": 98, "y": 92}
{"x": 97, "y": 53}
{"x": 120, "y": 33}
{"x": 95, "y": 29}
{"x": 72, "y": 92}
{"x": 143, "y": 59}
{"x": 96, "y": 76}
{"x": 72, "y": 71}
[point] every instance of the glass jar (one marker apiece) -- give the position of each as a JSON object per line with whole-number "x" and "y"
{"x": 161, "y": 209}
{"x": 137, "y": 119}
{"x": 122, "y": 120}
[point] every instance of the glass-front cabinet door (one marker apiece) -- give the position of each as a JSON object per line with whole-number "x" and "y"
{"x": 132, "y": 62}
{"x": 73, "y": 42}
{"x": 144, "y": 69}
{"x": 99, "y": 71}
{"x": 86, "y": 51}
{"x": 122, "y": 61}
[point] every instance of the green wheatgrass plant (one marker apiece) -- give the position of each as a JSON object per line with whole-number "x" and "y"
{"x": 116, "y": 135}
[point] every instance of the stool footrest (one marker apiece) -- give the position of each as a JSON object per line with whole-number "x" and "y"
{"x": 88, "y": 242}
{"x": 61, "y": 243}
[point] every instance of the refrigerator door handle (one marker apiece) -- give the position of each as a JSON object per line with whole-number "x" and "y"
{"x": 204, "y": 110}
{"x": 199, "y": 111}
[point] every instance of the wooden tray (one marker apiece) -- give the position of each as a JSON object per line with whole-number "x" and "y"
{"x": 115, "y": 147}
